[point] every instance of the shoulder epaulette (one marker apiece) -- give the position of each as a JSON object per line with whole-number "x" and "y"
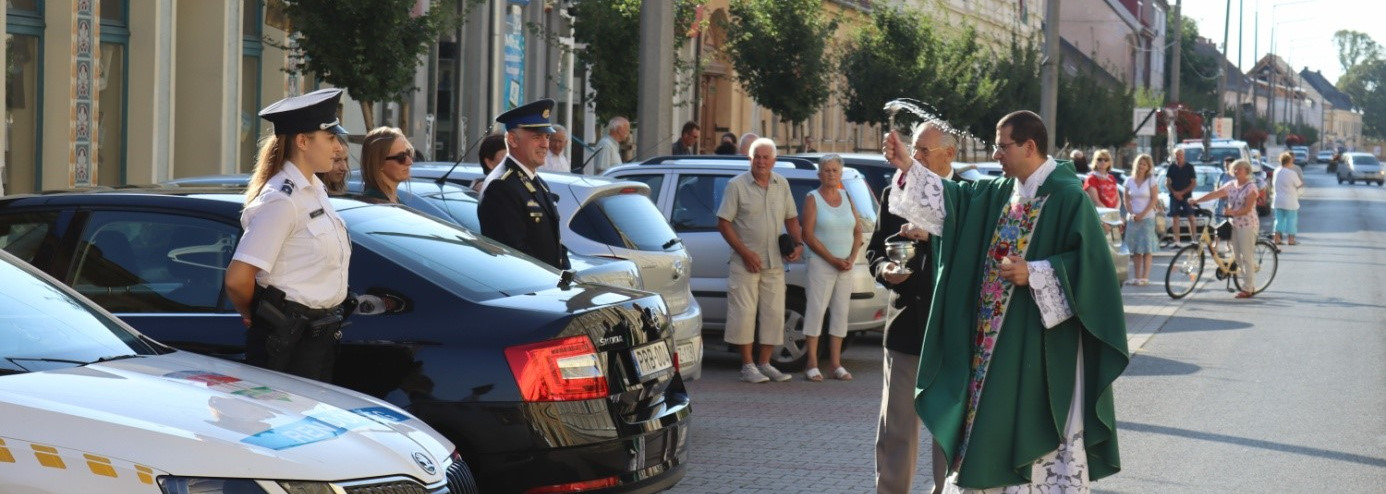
{"x": 287, "y": 188}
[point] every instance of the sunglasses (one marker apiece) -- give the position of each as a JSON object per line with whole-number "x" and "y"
{"x": 1103, "y": 159}
{"x": 401, "y": 157}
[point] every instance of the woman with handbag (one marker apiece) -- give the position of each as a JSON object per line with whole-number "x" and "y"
{"x": 830, "y": 231}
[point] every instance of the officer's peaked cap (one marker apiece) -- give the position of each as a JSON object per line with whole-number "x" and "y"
{"x": 306, "y": 113}
{"x": 533, "y": 116}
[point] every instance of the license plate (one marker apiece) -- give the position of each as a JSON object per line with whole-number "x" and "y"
{"x": 652, "y": 358}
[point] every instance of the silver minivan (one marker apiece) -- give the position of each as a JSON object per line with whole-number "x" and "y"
{"x": 604, "y": 217}
{"x": 688, "y": 190}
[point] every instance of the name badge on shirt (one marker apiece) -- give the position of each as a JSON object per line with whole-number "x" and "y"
{"x": 316, "y": 214}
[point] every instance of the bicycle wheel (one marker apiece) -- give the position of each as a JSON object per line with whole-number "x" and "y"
{"x": 1266, "y": 260}
{"x": 1184, "y": 271}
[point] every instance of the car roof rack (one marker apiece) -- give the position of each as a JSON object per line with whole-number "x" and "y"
{"x": 799, "y": 163}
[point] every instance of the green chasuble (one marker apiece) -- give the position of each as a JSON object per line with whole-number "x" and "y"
{"x": 1030, "y": 381}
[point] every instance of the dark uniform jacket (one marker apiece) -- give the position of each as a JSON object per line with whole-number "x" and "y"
{"x": 909, "y": 301}
{"x": 519, "y": 212}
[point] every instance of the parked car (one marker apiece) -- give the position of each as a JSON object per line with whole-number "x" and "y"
{"x": 1324, "y": 156}
{"x": 1360, "y": 166}
{"x": 455, "y": 204}
{"x": 613, "y": 219}
{"x": 688, "y": 189}
{"x": 1301, "y": 156}
{"x": 91, "y": 405}
{"x": 1205, "y": 180}
{"x": 544, "y": 384}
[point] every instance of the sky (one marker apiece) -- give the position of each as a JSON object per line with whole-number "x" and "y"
{"x": 1304, "y": 28}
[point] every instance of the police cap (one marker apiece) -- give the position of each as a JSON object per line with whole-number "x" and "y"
{"x": 306, "y": 113}
{"x": 533, "y": 116}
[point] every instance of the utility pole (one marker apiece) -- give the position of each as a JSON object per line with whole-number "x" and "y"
{"x": 1049, "y": 70}
{"x": 1237, "y": 124}
{"x": 1222, "y": 64}
{"x": 1178, "y": 46}
{"x": 655, "y": 108}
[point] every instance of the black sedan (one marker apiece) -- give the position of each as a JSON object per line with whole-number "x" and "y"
{"x": 545, "y": 385}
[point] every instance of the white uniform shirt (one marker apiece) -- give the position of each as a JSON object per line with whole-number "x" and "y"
{"x": 556, "y": 163}
{"x": 296, "y": 238}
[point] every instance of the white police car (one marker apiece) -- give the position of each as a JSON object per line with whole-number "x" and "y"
{"x": 89, "y": 405}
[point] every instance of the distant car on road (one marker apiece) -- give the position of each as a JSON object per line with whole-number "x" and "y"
{"x": 1323, "y": 157}
{"x": 1360, "y": 166}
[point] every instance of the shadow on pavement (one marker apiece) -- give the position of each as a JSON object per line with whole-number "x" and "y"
{"x": 1145, "y": 365}
{"x": 1252, "y": 443}
{"x": 1183, "y": 324}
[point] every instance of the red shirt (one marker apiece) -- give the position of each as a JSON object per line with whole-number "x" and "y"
{"x": 1106, "y": 188}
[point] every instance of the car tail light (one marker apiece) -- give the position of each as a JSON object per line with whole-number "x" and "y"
{"x": 585, "y": 485}
{"x": 558, "y": 370}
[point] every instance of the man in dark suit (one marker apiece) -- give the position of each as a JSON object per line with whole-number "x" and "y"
{"x": 517, "y": 208}
{"x": 897, "y": 432}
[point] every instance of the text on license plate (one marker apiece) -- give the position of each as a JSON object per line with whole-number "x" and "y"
{"x": 652, "y": 358}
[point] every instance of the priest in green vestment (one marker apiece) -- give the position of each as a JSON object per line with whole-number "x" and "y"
{"x": 1026, "y": 332}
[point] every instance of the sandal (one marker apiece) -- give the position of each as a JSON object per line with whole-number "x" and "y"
{"x": 841, "y": 374}
{"x": 813, "y": 375}
{"x": 1243, "y": 294}
{"x": 1293, "y": 241}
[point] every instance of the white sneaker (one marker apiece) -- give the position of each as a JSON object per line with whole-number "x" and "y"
{"x": 750, "y": 374}
{"x": 773, "y": 373}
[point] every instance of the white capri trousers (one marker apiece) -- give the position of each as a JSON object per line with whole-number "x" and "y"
{"x": 828, "y": 289}
{"x": 752, "y": 297}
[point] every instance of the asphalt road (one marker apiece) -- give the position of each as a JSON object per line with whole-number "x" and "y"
{"x": 1284, "y": 392}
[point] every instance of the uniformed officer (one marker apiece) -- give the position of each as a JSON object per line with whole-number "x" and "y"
{"x": 288, "y": 278}
{"x": 517, "y": 207}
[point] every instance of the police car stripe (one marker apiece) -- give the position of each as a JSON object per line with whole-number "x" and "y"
{"x": 100, "y": 465}
{"x": 5, "y": 455}
{"x": 146, "y": 474}
{"x": 48, "y": 456}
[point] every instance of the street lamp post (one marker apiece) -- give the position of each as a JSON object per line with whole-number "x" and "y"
{"x": 1275, "y": 67}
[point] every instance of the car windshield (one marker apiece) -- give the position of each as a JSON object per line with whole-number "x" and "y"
{"x": 1194, "y": 154}
{"x": 1364, "y": 159}
{"x": 459, "y": 260}
{"x": 43, "y": 327}
{"x": 625, "y": 219}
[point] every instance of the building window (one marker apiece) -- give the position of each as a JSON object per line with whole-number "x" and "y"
{"x": 251, "y": 48}
{"x": 111, "y": 93}
{"x": 23, "y": 92}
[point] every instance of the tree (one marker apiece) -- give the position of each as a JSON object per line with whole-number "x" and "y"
{"x": 1354, "y": 48}
{"x": 370, "y": 48}
{"x": 900, "y": 55}
{"x": 1093, "y": 112}
{"x": 779, "y": 50}
{"x": 1198, "y": 74}
{"x": 610, "y": 29}
{"x": 1018, "y": 86}
{"x": 1366, "y": 84}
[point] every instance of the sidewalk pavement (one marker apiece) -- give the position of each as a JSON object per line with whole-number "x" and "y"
{"x": 1148, "y": 307}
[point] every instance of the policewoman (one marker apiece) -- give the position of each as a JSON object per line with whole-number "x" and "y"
{"x": 288, "y": 278}
{"x": 517, "y": 208}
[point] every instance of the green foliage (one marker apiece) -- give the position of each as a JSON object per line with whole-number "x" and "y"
{"x": 371, "y": 48}
{"x": 1018, "y": 86}
{"x": 1366, "y": 84}
{"x": 901, "y": 55}
{"x": 1093, "y": 112}
{"x": 779, "y": 50}
{"x": 1354, "y": 48}
{"x": 611, "y": 31}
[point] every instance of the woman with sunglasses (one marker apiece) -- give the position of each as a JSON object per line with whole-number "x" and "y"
{"x": 386, "y": 156}
{"x": 1100, "y": 184}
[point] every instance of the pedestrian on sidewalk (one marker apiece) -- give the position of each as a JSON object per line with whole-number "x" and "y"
{"x": 907, "y": 312}
{"x": 1029, "y": 284}
{"x": 1241, "y": 209}
{"x": 754, "y": 206}
{"x": 1141, "y": 193}
{"x": 1289, "y": 183}
{"x": 1180, "y": 179}
{"x": 830, "y": 231}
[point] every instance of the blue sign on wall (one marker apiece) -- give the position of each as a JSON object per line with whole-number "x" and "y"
{"x": 514, "y": 77}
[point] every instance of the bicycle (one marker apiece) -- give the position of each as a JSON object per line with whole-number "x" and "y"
{"x": 1186, "y": 268}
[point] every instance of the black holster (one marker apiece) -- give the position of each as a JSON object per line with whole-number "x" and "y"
{"x": 289, "y": 327}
